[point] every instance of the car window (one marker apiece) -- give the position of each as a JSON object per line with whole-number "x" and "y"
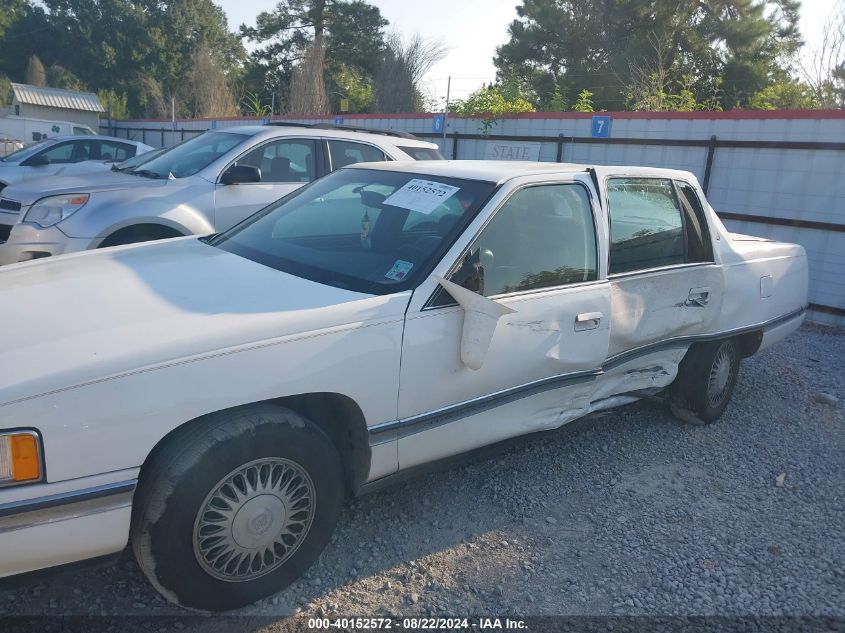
{"x": 283, "y": 161}
{"x": 24, "y": 152}
{"x": 367, "y": 230}
{"x": 646, "y": 226}
{"x": 343, "y": 153}
{"x": 422, "y": 153}
{"x": 186, "y": 159}
{"x": 65, "y": 153}
{"x": 82, "y": 130}
{"x": 541, "y": 237}
{"x": 115, "y": 152}
{"x": 699, "y": 246}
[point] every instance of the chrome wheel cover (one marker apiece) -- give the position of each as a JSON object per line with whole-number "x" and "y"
{"x": 254, "y": 519}
{"x": 720, "y": 375}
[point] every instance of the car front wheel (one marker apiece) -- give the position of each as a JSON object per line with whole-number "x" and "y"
{"x": 235, "y": 507}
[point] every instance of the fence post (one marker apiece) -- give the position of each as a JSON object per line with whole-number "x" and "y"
{"x": 708, "y": 167}
{"x": 162, "y": 137}
{"x": 559, "y": 155}
{"x": 144, "y": 135}
{"x": 183, "y": 134}
{"x": 455, "y": 146}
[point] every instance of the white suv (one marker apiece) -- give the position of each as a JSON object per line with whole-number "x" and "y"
{"x": 204, "y": 185}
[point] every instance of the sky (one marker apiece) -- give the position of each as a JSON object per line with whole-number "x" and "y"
{"x": 471, "y": 29}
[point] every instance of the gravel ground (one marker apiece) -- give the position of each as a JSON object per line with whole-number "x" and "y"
{"x": 629, "y": 512}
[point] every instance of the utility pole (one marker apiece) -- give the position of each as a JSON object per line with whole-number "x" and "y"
{"x": 446, "y": 113}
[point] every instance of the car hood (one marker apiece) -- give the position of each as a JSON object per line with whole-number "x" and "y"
{"x": 29, "y": 191}
{"x": 94, "y": 315}
{"x": 10, "y": 173}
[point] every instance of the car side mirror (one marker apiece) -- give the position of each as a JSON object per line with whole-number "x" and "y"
{"x": 238, "y": 174}
{"x": 39, "y": 160}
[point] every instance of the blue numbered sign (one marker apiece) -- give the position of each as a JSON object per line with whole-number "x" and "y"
{"x": 601, "y": 127}
{"x": 338, "y": 120}
{"x": 437, "y": 123}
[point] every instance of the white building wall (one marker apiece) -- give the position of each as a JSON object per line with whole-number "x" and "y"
{"x": 790, "y": 184}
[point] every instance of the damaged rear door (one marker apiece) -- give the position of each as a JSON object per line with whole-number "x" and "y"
{"x": 665, "y": 282}
{"x": 512, "y": 341}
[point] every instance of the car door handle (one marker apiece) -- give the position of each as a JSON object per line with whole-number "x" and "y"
{"x": 587, "y": 321}
{"x": 698, "y": 298}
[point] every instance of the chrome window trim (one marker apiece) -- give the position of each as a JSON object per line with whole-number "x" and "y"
{"x": 658, "y": 269}
{"x": 573, "y": 181}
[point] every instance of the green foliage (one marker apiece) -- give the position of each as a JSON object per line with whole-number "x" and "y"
{"x": 557, "y": 101}
{"x": 490, "y": 104}
{"x": 584, "y": 103}
{"x": 115, "y": 103}
{"x": 253, "y": 104}
{"x": 348, "y": 83}
{"x": 600, "y": 44}
{"x": 61, "y": 77}
{"x": 352, "y": 30}
{"x": 784, "y": 95}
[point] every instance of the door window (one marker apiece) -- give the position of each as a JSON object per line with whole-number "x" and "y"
{"x": 283, "y": 161}
{"x": 699, "y": 246}
{"x": 541, "y": 237}
{"x": 115, "y": 152}
{"x": 646, "y": 227}
{"x": 345, "y": 153}
{"x": 70, "y": 152}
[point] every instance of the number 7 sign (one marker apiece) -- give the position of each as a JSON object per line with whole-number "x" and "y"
{"x": 601, "y": 127}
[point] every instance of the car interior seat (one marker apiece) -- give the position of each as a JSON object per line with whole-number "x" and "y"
{"x": 279, "y": 170}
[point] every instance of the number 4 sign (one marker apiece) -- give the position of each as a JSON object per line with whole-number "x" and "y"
{"x": 601, "y": 127}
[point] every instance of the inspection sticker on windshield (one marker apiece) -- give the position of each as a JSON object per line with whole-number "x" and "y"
{"x": 422, "y": 196}
{"x": 399, "y": 271}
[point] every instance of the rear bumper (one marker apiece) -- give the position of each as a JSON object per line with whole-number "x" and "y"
{"x": 65, "y": 527}
{"x": 781, "y": 329}
{"x": 28, "y": 241}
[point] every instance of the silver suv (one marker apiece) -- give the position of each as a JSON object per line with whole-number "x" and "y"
{"x": 204, "y": 185}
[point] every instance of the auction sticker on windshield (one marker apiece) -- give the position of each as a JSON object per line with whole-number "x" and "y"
{"x": 422, "y": 196}
{"x": 400, "y": 270}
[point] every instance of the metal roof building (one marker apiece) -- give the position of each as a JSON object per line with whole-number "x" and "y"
{"x": 56, "y": 104}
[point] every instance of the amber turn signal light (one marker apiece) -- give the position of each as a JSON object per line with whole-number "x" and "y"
{"x": 20, "y": 457}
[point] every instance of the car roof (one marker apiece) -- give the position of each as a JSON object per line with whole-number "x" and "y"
{"x": 500, "y": 170}
{"x": 272, "y": 131}
{"x": 97, "y": 137}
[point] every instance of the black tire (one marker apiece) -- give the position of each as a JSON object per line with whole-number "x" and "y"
{"x": 140, "y": 233}
{"x": 185, "y": 475}
{"x": 705, "y": 383}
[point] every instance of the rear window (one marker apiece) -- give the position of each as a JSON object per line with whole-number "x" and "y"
{"x": 422, "y": 153}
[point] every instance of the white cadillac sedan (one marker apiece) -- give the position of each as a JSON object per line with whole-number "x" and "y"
{"x": 215, "y": 399}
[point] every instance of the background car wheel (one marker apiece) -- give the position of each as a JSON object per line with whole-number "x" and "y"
{"x": 706, "y": 380}
{"x": 139, "y": 233}
{"x": 235, "y": 507}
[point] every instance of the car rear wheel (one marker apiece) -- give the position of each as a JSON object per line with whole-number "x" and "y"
{"x": 706, "y": 381}
{"x": 235, "y": 507}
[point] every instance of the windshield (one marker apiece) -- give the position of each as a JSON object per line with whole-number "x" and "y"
{"x": 140, "y": 159}
{"x": 26, "y": 152}
{"x": 367, "y": 230}
{"x": 422, "y": 153}
{"x": 188, "y": 158}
